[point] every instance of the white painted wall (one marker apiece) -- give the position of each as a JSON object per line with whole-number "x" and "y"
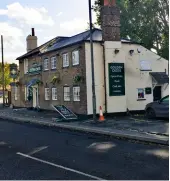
{"x": 134, "y": 78}
{"x": 99, "y": 77}
{"x": 141, "y": 79}
{"x": 114, "y": 103}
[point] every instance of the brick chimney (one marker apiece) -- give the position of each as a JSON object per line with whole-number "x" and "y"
{"x": 110, "y": 17}
{"x": 31, "y": 41}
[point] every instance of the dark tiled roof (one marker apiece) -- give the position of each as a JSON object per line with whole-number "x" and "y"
{"x": 41, "y": 47}
{"x": 160, "y": 77}
{"x": 62, "y": 42}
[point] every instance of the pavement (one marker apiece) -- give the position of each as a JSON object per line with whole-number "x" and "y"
{"x": 133, "y": 127}
{"x": 29, "y": 152}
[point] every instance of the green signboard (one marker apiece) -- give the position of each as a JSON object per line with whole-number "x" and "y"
{"x": 148, "y": 90}
{"x": 116, "y": 79}
{"x": 35, "y": 70}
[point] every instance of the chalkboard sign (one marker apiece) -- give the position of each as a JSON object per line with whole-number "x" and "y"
{"x": 65, "y": 112}
{"x": 116, "y": 79}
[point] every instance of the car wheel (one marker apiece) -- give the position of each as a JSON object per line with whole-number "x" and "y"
{"x": 150, "y": 113}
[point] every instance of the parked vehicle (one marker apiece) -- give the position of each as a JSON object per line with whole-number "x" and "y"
{"x": 158, "y": 108}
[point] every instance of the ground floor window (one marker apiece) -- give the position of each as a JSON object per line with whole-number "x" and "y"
{"x": 141, "y": 93}
{"x": 26, "y": 93}
{"x": 54, "y": 94}
{"x": 66, "y": 93}
{"x": 47, "y": 94}
{"x": 76, "y": 93}
{"x": 16, "y": 93}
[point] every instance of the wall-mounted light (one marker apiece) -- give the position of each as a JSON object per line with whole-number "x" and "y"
{"x": 139, "y": 50}
{"x": 58, "y": 54}
{"x": 80, "y": 47}
{"x": 131, "y": 52}
{"x": 117, "y": 51}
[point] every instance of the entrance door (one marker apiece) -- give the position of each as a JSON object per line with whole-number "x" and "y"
{"x": 157, "y": 93}
{"x": 35, "y": 97}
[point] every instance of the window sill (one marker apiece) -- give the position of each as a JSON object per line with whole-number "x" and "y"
{"x": 66, "y": 101}
{"x": 75, "y": 65}
{"x": 53, "y": 69}
{"x": 141, "y": 99}
{"x": 145, "y": 70}
{"x": 46, "y": 70}
{"x": 65, "y": 67}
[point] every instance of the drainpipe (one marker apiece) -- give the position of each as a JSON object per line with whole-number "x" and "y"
{"x": 104, "y": 59}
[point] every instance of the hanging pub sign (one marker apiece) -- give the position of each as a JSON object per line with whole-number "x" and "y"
{"x": 116, "y": 79}
{"x": 13, "y": 70}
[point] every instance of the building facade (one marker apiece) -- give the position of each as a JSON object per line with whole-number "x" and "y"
{"x": 127, "y": 75}
{"x": 59, "y": 73}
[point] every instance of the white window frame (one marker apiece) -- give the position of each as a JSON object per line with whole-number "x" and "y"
{"x": 65, "y": 60}
{"x": 67, "y": 96}
{"x": 53, "y": 62}
{"x": 25, "y": 66}
{"x": 26, "y": 93}
{"x": 75, "y": 57}
{"x": 54, "y": 94}
{"x": 46, "y": 64}
{"x": 15, "y": 93}
{"x": 76, "y": 93}
{"x": 138, "y": 93}
{"x": 47, "y": 94}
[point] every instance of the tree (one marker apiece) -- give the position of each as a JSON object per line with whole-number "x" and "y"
{"x": 7, "y": 79}
{"x": 144, "y": 21}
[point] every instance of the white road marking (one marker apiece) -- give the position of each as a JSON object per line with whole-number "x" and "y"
{"x": 36, "y": 150}
{"x": 59, "y": 166}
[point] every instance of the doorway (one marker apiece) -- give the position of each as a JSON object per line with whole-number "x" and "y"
{"x": 157, "y": 93}
{"x": 35, "y": 97}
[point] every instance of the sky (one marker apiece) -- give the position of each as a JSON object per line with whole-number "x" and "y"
{"x": 50, "y": 18}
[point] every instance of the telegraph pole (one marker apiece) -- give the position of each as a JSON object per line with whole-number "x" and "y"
{"x": 2, "y": 52}
{"x": 92, "y": 63}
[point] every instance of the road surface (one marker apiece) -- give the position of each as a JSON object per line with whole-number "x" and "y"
{"x": 35, "y": 153}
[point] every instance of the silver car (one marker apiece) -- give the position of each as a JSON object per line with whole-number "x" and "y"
{"x": 158, "y": 108}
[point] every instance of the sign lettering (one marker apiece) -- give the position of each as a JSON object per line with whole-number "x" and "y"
{"x": 35, "y": 70}
{"x": 116, "y": 79}
{"x": 65, "y": 112}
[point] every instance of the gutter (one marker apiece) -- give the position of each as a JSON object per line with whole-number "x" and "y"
{"x": 104, "y": 59}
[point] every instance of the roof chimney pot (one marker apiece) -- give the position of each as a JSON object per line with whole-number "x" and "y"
{"x": 33, "y": 32}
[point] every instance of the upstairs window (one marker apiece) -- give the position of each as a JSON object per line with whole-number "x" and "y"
{"x": 53, "y": 63}
{"x": 65, "y": 60}
{"x": 25, "y": 66}
{"x": 46, "y": 63}
{"x": 75, "y": 57}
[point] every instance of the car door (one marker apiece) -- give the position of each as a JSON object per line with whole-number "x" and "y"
{"x": 162, "y": 108}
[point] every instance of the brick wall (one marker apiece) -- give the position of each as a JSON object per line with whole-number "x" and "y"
{"x": 66, "y": 76}
{"x": 66, "y": 79}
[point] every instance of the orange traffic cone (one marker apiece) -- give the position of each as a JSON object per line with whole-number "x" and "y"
{"x": 101, "y": 118}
